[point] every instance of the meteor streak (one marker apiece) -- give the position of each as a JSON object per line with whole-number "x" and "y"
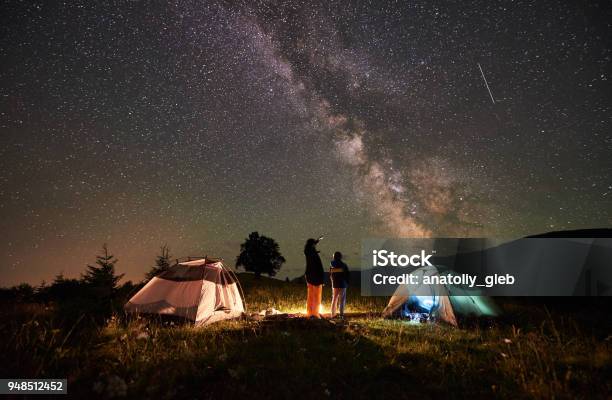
{"x": 486, "y": 83}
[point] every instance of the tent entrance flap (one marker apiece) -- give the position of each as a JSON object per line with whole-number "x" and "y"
{"x": 439, "y": 301}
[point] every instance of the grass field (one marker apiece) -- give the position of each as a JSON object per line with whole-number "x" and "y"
{"x": 530, "y": 352}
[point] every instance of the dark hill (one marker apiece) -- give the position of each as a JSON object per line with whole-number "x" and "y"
{"x": 578, "y": 233}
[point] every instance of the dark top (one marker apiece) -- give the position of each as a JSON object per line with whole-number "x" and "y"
{"x": 314, "y": 267}
{"x": 339, "y": 274}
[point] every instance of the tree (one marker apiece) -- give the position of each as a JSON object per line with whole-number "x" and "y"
{"x": 99, "y": 289}
{"x": 64, "y": 289}
{"x": 260, "y": 254}
{"x": 23, "y": 292}
{"x": 162, "y": 263}
{"x": 102, "y": 275}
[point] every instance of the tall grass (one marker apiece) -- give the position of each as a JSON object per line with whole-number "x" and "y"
{"x": 531, "y": 353}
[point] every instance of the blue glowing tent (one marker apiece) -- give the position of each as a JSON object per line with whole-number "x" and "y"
{"x": 438, "y": 302}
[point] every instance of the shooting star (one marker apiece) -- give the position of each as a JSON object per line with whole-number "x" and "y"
{"x": 486, "y": 83}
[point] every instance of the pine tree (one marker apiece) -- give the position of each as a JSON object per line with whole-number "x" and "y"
{"x": 102, "y": 275}
{"x": 162, "y": 263}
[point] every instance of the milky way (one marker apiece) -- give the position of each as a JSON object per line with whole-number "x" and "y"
{"x": 195, "y": 123}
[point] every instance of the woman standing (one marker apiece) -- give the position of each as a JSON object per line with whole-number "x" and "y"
{"x": 314, "y": 278}
{"x": 339, "y": 274}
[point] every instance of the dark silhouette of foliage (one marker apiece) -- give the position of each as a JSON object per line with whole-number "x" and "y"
{"x": 20, "y": 293}
{"x": 101, "y": 285}
{"x": 64, "y": 289}
{"x": 125, "y": 291}
{"x": 260, "y": 254}
{"x": 102, "y": 275}
{"x": 87, "y": 301}
{"x": 162, "y": 263}
{"x": 69, "y": 297}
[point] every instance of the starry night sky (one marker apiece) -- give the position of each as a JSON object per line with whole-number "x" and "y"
{"x": 195, "y": 123}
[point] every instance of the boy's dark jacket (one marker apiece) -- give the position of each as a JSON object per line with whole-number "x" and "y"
{"x": 314, "y": 266}
{"x": 339, "y": 274}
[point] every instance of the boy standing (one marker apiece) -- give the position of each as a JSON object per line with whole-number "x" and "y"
{"x": 339, "y": 275}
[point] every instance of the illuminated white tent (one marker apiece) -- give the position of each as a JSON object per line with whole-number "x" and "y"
{"x": 439, "y": 301}
{"x": 202, "y": 290}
